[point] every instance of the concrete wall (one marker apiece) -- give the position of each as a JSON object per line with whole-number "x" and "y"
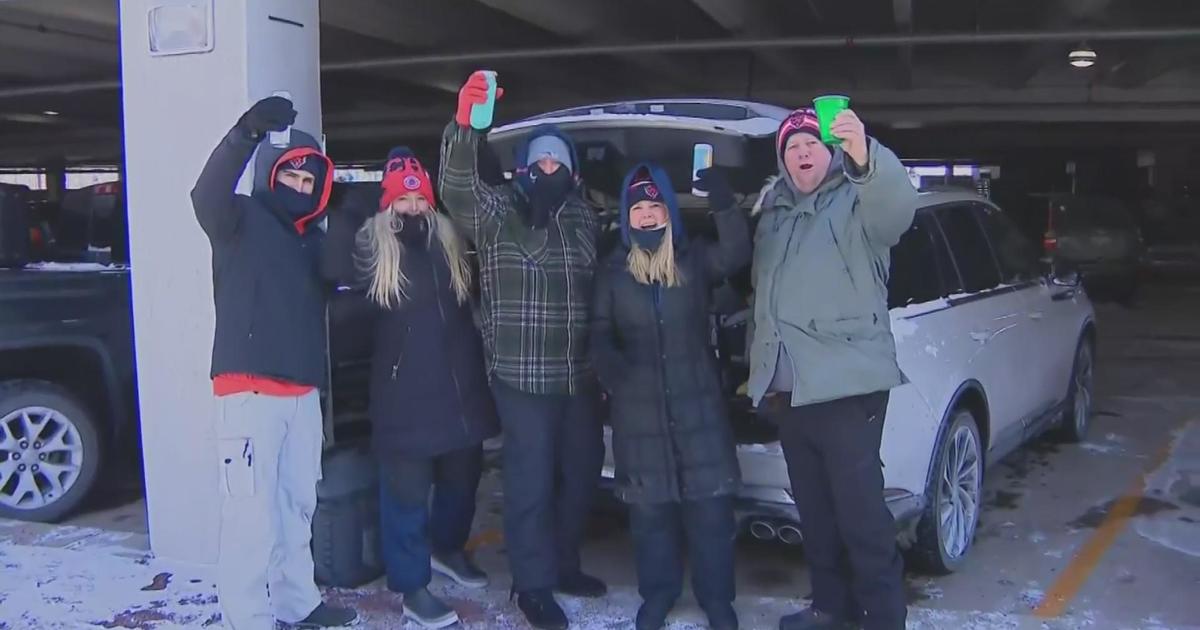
{"x": 176, "y": 110}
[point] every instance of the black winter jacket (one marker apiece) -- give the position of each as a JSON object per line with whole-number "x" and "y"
{"x": 267, "y": 285}
{"x": 429, "y": 392}
{"x": 672, "y": 439}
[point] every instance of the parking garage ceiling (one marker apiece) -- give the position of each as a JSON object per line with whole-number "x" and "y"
{"x": 983, "y": 72}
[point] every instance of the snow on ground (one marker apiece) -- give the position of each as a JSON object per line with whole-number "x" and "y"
{"x": 1177, "y": 482}
{"x": 99, "y": 585}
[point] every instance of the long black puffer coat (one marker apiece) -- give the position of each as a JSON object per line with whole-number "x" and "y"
{"x": 429, "y": 390}
{"x": 672, "y": 438}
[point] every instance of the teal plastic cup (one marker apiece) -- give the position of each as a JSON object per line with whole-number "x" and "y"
{"x": 827, "y": 108}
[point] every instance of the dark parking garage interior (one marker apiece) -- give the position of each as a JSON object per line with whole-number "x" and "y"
{"x": 1054, "y": 110}
{"x": 942, "y": 81}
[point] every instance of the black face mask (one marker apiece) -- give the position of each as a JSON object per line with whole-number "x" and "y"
{"x": 546, "y": 196}
{"x": 648, "y": 240}
{"x": 295, "y": 205}
{"x": 414, "y": 230}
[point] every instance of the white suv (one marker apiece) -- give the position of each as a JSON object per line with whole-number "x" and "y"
{"x": 995, "y": 350}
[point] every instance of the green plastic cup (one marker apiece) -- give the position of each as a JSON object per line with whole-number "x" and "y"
{"x": 827, "y": 108}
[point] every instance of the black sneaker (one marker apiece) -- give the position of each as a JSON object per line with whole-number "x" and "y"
{"x": 582, "y": 585}
{"x": 652, "y": 615}
{"x": 326, "y": 616}
{"x": 428, "y": 611}
{"x": 541, "y": 611}
{"x": 722, "y": 617}
{"x": 459, "y": 567}
{"x": 813, "y": 619}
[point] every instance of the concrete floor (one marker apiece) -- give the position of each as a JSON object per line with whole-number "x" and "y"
{"x": 1105, "y": 534}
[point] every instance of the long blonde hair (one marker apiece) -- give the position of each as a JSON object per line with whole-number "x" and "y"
{"x": 381, "y": 256}
{"x": 648, "y": 267}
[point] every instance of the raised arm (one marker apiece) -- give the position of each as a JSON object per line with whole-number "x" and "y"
{"x": 732, "y": 250}
{"x": 474, "y": 204}
{"x": 887, "y": 200}
{"x": 215, "y": 190}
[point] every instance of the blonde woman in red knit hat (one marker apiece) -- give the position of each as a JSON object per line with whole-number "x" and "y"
{"x": 430, "y": 405}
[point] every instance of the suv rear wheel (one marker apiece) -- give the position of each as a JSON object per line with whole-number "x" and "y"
{"x": 946, "y": 530}
{"x": 1077, "y": 416}
{"x": 50, "y": 451}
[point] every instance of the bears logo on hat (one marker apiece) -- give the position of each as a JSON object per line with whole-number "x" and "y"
{"x": 643, "y": 190}
{"x": 402, "y": 175}
{"x": 802, "y": 120}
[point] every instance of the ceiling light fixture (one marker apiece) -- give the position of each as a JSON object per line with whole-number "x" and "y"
{"x": 50, "y": 112}
{"x": 1082, "y": 56}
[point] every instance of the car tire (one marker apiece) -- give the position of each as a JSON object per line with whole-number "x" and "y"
{"x": 1076, "y": 418}
{"x": 946, "y": 529}
{"x": 30, "y": 410}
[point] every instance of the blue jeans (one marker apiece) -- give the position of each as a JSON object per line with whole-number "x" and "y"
{"x": 553, "y": 452}
{"x": 660, "y": 533}
{"x": 409, "y": 534}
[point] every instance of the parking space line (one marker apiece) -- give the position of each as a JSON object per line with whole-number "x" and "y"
{"x": 1085, "y": 561}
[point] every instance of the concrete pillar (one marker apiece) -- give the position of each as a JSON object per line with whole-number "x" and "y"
{"x": 177, "y": 108}
{"x": 56, "y": 181}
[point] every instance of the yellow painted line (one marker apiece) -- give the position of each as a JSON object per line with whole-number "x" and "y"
{"x": 1085, "y": 561}
{"x": 485, "y": 538}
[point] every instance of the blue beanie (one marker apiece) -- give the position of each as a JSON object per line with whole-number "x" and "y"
{"x": 549, "y": 146}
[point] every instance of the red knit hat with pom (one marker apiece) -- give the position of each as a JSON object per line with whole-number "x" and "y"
{"x": 404, "y": 174}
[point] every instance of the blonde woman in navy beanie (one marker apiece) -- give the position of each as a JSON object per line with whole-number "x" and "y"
{"x": 430, "y": 405}
{"x": 676, "y": 463}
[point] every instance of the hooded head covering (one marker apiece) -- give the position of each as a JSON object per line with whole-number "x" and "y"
{"x": 648, "y": 181}
{"x": 545, "y": 194}
{"x": 302, "y": 154}
{"x": 643, "y": 189}
{"x": 404, "y": 174}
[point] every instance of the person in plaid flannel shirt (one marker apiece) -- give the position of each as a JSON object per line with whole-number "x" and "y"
{"x": 536, "y": 239}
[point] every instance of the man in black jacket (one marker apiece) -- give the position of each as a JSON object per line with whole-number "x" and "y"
{"x": 268, "y": 362}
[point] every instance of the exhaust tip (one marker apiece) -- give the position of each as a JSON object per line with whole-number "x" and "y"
{"x": 762, "y": 530}
{"x": 791, "y": 535}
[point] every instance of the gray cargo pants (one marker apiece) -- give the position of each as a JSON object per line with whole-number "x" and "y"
{"x": 269, "y": 451}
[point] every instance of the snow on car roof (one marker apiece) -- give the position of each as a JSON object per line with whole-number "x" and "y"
{"x": 934, "y": 198}
{"x": 719, "y": 115}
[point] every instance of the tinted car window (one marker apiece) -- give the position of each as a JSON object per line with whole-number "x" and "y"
{"x": 1088, "y": 213}
{"x": 1017, "y": 258}
{"x": 916, "y": 275}
{"x": 970, "y": 248}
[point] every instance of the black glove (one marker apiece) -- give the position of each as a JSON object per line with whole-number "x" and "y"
{"x": 273, "y": 113}
{"x": 720, "y": 195}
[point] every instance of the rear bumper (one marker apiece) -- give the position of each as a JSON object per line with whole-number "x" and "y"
{"x": 775, "y": 505}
